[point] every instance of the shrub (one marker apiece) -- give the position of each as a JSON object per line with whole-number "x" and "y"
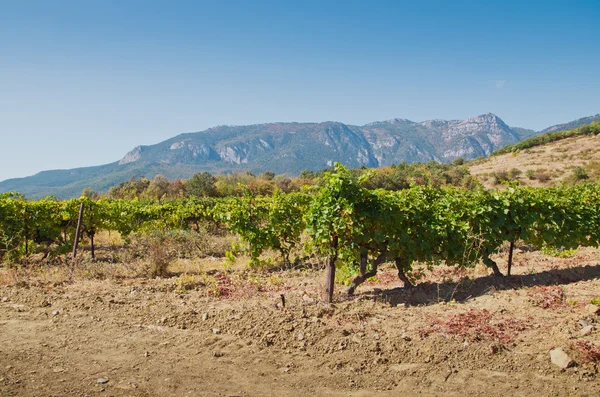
{"x": 159, "y": 248}
{"x": 542, "y": 176}
{"x": 580, "y": 174}
{"x": 514, "y": 173}
{"x": 500, "y": 176}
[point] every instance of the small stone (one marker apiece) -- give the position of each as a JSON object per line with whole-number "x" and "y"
{"x": 218, "y": 354}
{"x": 5, "y": 299}
{"x": 204, "y": 316}
{"x": 584, "y": 323}
{"x": 307, "y": 299}
{"x": 406, "y": 337}
{"x": 560, "y": 358}
{"x": 300, "y": 335}
{"x": 102, "y": 381}
{"x": 585, "y": 331}
{"x": 592, "y": 309}
{"x": 55, "y": 313}
{"x": 216, "y": 331}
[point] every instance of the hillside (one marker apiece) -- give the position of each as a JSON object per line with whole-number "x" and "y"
{"x": 572, "y": 124}
{"x": 544, "y": 165}
{"x": 284, "y": 148}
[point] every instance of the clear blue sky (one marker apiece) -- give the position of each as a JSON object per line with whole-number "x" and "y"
{"x": 83, "y": 82}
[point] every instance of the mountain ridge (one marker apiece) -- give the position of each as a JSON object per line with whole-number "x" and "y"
{"x": 286, "y": 147}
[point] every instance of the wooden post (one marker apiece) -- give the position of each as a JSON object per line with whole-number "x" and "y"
{"x": 26, "y": 239}
{"x": 76, "y": 242}
{"x": 330, "y": 275}
{"x": 92, "y": 234}
{"x": 510, "y": 257}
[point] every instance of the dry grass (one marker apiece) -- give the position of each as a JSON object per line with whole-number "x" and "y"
{"x": 587, "y": 351}
{"x": 553, "y": 162}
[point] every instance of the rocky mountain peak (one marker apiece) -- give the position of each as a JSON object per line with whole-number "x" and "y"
{"x": 132, "y": 156}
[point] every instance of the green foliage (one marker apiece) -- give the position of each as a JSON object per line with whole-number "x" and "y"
{"x": 458, "y": 226}
{"x": 531, "y": 174}
{"x": 357, "y": 227}
{"x": 558, "y": 253}
{"x": 580, "y": 174}
{"x": 201, "y": 184}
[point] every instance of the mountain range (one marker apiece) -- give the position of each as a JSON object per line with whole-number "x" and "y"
{"x": 289, "y": 148}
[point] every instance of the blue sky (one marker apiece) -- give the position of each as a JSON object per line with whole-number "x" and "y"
{"x": 83, "y": 82}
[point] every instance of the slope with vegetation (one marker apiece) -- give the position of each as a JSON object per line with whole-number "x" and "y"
{"x": 568, "y": 156}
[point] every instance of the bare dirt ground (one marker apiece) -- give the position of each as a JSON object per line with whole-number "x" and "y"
{"x": 227, "y": 333}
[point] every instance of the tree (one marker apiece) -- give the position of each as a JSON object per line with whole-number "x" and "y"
{"x": 158, "y": 187}
{"x": 201, "y": 184}
{"x": 89, "y": 193}
{"x": 268, "y": 175}
{"x": 307, "y": 174}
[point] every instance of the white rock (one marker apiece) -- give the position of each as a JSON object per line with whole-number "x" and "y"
{"x": 586, "y": 330}
{"x": 560, "y": 358}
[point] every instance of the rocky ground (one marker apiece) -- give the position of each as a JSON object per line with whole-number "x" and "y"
{"x": 259, "y": 333}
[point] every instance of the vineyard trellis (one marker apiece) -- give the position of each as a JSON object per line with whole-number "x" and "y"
{"x": 344, "y": 221}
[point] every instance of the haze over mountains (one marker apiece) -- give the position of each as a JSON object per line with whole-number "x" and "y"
{"x": 289, "y": 148}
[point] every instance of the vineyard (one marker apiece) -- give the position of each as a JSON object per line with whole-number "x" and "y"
{"x": 128, "y": 297}
{"x": 349, "y": 225}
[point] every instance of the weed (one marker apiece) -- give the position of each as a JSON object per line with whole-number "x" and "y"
{"x": 547, "y": 297}
{"x": 542, "y": 175}
{"x": 572, "y": 302}
{"x": 559, "y": 252}
{"x": 478, "y": 325}
{"x": 188, "y": 282}
{"x": 160, "y": 248}
{"x": 275, "y": 280}
{"x": 588, "y": 351}
{"x": 230, "y": 260}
